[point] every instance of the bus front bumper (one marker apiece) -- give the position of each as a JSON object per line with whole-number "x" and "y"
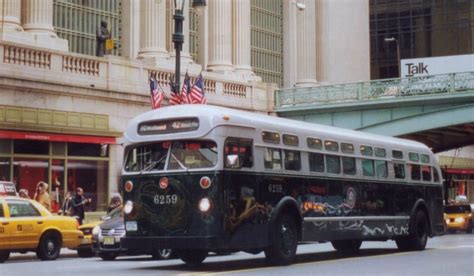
{"x": 151, "y": 243}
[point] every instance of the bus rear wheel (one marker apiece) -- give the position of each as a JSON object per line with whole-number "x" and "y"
{"x": 192, "y": 257}
{"x": 347, "y": 246}
{"x": 284, "y": 240}
{"x": 418, "y": 234}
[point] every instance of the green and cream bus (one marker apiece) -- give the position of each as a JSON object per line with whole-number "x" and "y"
{"x": 200, "y": 179}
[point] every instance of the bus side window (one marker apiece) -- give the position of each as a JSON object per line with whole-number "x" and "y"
{"x": 292, "y": 160}
{"x": 399, "y": 170}
{"x": 316, "y": 162}
{"x": 415, "y": 171}
{"x": 435, "y": 175}
{"x": 349, "y": 165}
{"x": 368, "y": 167}
{"x": 333, "y": 164}
{"x": 381, "y": 168}
{"x": 272, "y": 159}
{"x": 426, "y": 173}
{"x": 242, "y": 148}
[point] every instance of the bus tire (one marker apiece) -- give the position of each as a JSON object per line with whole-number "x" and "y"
{"x": 193, "y": 257}
{"x": 284, "y": 241}
{"x": 418, "y": 234}
{"x": 347, "y": 246}
{"x": 49, "y": 246}
{"x": 4, "y": 255}
{"x": 162, "y": 254}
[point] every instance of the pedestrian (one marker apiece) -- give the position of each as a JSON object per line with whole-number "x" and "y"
{"x": 23, "y": 193}
{"x": 42, "y": 195}
{"x": 115, "y": 202}
{"x": 66, "y": 207}
{"x": 78, "y": 203}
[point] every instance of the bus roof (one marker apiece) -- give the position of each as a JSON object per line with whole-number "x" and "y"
{"x": 211, "y": 116}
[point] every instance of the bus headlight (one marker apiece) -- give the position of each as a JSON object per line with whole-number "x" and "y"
{"x": 459, "y": 220}
{"x": 127, "y": 209}
{"x": 96, "y": 231}
{"x": 204, "y": 204}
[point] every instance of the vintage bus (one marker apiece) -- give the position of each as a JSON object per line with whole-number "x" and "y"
{"x": 200, "y": 179}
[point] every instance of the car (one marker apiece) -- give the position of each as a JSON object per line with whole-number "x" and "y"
{"x": 85, "y": 249}
{"x": 458, "y": 217}
{"x": 25, "y": 225}
{"x": 107, "y": 235}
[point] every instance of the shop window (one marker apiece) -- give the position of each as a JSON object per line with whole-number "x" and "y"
{"x": 397, "y": 154}
{"x": 381, "y": 168}
{"x": 290, "y": 140}
{"x": 92, "y": 176}
{"x": 435, "y": 175}
{"x": 92, "y": 150}
{"x": 426, "y": 173}
{"x": 368, "y": 167}
{"x": 271, "y": 137}
{"x": 331, "y": 145}
{"x": 349, "y": 165}
{"x": 57, "y": 184}
{"x": 272, "y": 159}
{"x": 399, "y": 170}
{"x": 366, "y": 150}
{"x": 28, "y": 172}
{"x": 333, "y": 164}
{"x": 380, "y": 152}
{"x": 4, "y": 168}
{"x": 316, "y": 162}
{"x": 314, "y": 143}
{"x": 347, "y": 148}
{"x": 292, "y": 160}
{"x": 415, "y": 171}
{"x": 58, "y": 149}
{"x": 242, "y": 148}
{"x": 31, "y": 147}
{"x": 5, "y": 146}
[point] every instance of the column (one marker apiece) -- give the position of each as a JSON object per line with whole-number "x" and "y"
{"x": 153, "y": 29}
{"x": 220, "y": 35}
{"x": 306, "y": 45}
{"x": 38, "y": 16}
{"x": 242, "y": 36}
{"x": 11, "y": 11}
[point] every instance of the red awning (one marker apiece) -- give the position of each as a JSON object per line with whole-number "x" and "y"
{"x": 460, "y": 171}
{"x": 56, "y": 137}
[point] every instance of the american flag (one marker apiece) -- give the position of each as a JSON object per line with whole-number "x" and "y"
{"x": 156, "y": 95}
{"x": 197, "y": 92}
{"x": 185, "y": 97}
{"x": 174, "y": 98}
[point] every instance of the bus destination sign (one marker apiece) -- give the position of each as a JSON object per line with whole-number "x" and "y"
{"x": 168, "y": 126}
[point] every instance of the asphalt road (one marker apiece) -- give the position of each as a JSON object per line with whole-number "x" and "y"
{"x": 447, "y": 255}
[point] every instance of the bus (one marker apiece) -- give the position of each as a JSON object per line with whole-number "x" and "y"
{"x": 201, "y": 178}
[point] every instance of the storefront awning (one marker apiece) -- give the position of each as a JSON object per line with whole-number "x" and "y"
{"x": 54, "y": 137}
{"x": 460, "y": 171}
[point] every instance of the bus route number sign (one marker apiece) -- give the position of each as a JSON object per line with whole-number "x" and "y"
{"x": 165, "y": 199}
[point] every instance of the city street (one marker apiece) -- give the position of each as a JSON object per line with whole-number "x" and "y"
{"x": 447, "y": 255}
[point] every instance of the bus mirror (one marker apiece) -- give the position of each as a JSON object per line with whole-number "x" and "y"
{"x": 232, "y": 161}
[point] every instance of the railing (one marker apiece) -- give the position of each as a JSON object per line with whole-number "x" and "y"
{"x": 81, "y": 65}
{"x": 26, "y": 56}
{"x": 375, "y": 90}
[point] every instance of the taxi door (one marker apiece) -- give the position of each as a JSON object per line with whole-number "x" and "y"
{"x": 25, "y": 223}
{"x": 5, "y": 231}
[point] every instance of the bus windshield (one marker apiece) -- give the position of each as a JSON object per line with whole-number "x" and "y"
{"x": 176, "y": 155}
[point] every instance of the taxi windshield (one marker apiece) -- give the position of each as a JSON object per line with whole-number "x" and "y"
{"x": 176, "y": 155}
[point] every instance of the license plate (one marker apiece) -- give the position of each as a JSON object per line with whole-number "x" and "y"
{"x": 131, "y": 226}
{"x": 109, "y": 240}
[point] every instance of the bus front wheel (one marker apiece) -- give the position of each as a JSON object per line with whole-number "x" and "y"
{"x": 284, "y": 240}
{"x": 347, "y": 246}
{"x": 418, "y": 234}
{"x": 192, "y": 257}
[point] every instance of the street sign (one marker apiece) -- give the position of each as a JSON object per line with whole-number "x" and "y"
{"x": 109, "y": 44}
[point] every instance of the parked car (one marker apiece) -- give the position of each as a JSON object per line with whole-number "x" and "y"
{"x": 458, "y": 217}
{"x": 106, "y": 239}
{"x": 25, "y": 225}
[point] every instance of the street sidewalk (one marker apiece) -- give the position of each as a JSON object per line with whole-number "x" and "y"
{"x": 65, "y": 253}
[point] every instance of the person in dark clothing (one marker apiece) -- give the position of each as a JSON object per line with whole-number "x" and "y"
{"x": 102, "y": 35}
{"x": 78, "y": 203}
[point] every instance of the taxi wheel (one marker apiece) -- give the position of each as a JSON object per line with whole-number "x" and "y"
{"x": 4, "y": 255}
{"x": 49, "y": 247}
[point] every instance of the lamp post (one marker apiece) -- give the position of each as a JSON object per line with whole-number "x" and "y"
{"x": 392, "y": 39}
{"x": 178, "y": 37}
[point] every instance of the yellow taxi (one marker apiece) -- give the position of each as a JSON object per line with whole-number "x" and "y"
{"x": 458, "y": 217}
{"x": 85, "y": 249}
{"x": 25, "y": 225}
